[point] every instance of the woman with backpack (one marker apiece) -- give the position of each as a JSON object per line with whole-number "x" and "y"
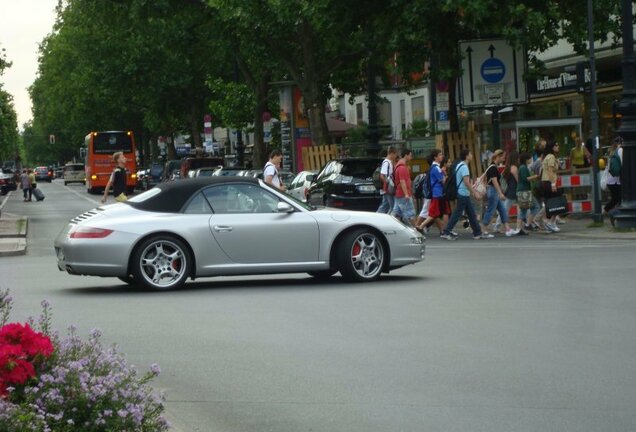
{"x": 614, "y": 175}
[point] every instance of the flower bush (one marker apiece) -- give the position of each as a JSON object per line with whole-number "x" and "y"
{"x": 52, "y": 383}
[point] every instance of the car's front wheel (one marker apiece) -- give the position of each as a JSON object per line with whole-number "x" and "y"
{"x": 360, "y": 256}
{"x": 161, "y": 262}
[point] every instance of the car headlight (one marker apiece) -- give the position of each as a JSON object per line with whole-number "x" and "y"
{"x": 417, "y": 240}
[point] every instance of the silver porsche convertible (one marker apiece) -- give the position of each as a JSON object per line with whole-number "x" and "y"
{"x": 213, "y": 226}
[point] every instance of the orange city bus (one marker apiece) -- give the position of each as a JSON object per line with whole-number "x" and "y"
{"x": 100, "y": 147}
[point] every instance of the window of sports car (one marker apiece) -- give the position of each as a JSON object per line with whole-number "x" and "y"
{"x": 234, "y": 198}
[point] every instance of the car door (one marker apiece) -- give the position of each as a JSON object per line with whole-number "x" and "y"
{"x": 316, "y": 194}
{"x": 250, "y": 230}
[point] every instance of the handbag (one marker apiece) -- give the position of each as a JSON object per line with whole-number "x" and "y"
{"x": 479, "y": 187}
{"x": 524, "y": 199}
{"x": 604, "y": 177}
{"x": 556, "y": 205}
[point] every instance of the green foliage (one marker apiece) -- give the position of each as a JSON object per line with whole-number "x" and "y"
{"x": 357, "y": 135}
{"x": 419, "y": 128}
{"x": 8, "y": 117}
{"x": 232, "y": 104}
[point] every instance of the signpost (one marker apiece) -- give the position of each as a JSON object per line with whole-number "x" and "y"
{"x": 442, "y": 108}
{"x": 493, "y": 74}
{"x": 493, "y": 77}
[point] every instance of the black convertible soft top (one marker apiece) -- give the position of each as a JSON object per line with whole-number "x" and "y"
{"x": 174, "y": 195}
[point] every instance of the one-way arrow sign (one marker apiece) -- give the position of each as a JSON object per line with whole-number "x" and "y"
{"x": 492, "y": 73}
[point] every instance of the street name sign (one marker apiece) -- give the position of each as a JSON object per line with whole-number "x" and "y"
{"x": 492, "y": 74}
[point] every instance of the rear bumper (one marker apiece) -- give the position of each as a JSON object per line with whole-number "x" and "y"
{"x": 360, "y": 203}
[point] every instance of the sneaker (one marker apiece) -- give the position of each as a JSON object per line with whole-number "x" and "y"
{"x": 555, "y": 228}
{"x": 511, "y": 232}
{"x": 447, "y": 237}
{"x": 560, "y": 221}
{"x": 550, "y": 227}
{"x": 536, "y": 226}
{"x": 497, "y": 227}
{"x": 483, "y": 236}
{"x": 454, "y": 234}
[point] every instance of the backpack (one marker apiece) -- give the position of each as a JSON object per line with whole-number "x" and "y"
{"x": 615, "y": 165}
{"x": 451, "y": 186}
{"x": 377, "y": 181}
{"x": 419, "y": 183}
{"x": 428, "y": 188}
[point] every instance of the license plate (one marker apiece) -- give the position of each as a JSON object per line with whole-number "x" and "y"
{"x": 366, "y": 188}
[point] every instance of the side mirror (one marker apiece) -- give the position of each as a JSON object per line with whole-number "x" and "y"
{"x": 283, "y": 207}
{"x": 309, "y": 178}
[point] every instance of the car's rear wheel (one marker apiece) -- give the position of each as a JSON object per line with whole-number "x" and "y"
{"x": 360, "y": 256}
{"x": 322, "y": 274}
{"x": 161, "y": 262}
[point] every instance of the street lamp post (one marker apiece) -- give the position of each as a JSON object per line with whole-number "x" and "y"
{"x": 625, "y": 215}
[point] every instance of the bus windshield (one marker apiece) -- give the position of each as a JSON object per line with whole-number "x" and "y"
{"x": 111, "y": 142}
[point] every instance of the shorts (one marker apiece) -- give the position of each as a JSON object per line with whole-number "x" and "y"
{"x": 438, "y": 208}
{"x": 424, "y": 211}
{"x": 403, "y": 208}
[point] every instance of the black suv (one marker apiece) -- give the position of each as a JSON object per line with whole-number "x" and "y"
{"x": 346, "y": 183}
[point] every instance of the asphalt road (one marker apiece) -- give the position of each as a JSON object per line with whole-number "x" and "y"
{"x": 519, "y": 334}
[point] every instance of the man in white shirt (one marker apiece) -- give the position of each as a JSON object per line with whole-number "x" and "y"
{"x": 386, "y": 175}
{"x": 270, "y": 171}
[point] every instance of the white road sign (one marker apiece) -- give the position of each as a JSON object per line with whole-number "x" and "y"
{"x": 492, "y": 74}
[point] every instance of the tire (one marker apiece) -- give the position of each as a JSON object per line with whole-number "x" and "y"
{"x": 322, "y": 274}
{"x": 161, "y": 262}
{"x": 360, "y": 256}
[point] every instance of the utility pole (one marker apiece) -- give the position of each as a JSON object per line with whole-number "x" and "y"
{"x": 594, "y": 116}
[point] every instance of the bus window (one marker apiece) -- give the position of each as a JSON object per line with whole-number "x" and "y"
{"x": 111, "y": 142}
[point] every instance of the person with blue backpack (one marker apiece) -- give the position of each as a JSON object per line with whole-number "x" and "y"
{"x": 439, "y": 208}
{"x": 462, "y": 190}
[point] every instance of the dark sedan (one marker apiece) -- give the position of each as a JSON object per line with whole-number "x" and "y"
{"x": 43, "y": 173}
{"x": 8, "y": 181}
{"x": 346, "y": 183}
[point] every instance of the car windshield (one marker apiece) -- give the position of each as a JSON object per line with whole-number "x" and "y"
{"x": 362, "y": 169}
{"x": 74, "y": 168}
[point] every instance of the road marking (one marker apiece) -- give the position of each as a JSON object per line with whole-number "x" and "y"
{"x": 89, "y": 199}
{"x": 6, "y": 198}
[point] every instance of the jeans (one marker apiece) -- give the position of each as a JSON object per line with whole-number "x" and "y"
{"x": 615, "y": 197}
{"x": 387, "y": 204}
{"x": 494, "y": 203}
{"x": 403, "y": 209}
{"x": 464, "y": 204}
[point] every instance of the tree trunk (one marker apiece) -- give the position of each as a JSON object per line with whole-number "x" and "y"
{"x": 315, "y": 105}
{"x": 259, "y": 156}
{"x": 195, "y": 125}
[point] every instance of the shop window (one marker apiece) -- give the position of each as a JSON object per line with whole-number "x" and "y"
{"x": 417, "y": 107}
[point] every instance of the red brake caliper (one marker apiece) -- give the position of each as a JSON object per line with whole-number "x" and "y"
{"x": 356, "y": 250}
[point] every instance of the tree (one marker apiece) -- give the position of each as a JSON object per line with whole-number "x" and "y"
{"x": 432, "y": 30}
{"x": 8, "y": 118}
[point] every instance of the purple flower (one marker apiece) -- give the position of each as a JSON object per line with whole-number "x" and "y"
{"x": 155, "y": 369}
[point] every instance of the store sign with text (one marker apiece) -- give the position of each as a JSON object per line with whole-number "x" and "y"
{"x": 565, "y": 81}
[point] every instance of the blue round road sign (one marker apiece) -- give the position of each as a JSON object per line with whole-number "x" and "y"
{"x": 493, "y": 70}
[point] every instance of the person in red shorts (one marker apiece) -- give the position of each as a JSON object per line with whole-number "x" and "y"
{"x": 439, "y": 208}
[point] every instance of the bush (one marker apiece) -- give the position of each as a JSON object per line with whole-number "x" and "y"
{"x": 48, "y": 383}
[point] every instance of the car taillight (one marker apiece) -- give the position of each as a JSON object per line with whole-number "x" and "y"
{"x": 89, "y": 232}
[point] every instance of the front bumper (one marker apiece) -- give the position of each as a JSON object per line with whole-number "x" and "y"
{"x": 407, "y": 247}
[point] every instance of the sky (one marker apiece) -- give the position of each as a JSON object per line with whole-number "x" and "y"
{"x": 23, "y": 25}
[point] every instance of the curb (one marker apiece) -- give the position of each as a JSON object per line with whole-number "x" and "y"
{"x": 12, "y": 247}
{"x": 13, "y": 242}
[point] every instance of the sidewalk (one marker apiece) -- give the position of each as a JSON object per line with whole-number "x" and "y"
{"x": 13, "y": 231}
{"x": 580, "y": 227}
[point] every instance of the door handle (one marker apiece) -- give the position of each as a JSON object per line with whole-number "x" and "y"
{"x": 222, "y": 228}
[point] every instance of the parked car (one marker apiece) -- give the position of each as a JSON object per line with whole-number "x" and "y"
{"x": 8, "y": 181}
{"x": 152, "y": 176}
{"x": 193, "y": 163}
{"x": 204, "y": 172}
{"x": 43, "y": 173}
{"x": 299, "y": 186}
{"x": 228, "y": 171}
{"x": 346, "y": 183}
{"x": 215, "y": 226}
{"x": 74, "y": 173}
